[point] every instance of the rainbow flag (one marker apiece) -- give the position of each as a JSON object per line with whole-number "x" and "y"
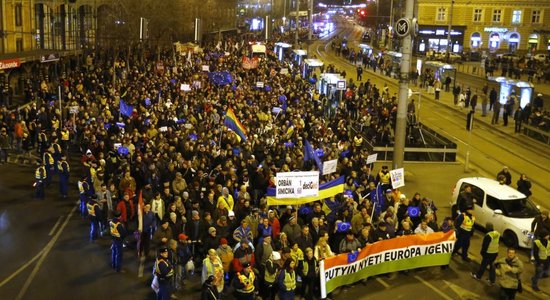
{"x": 234, "y": 124}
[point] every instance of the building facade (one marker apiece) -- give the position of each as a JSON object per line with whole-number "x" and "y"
{"x": 494, "y": 26}
{"x": 31, "y": 30}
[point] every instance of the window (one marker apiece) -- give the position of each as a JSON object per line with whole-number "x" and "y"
{"x": 492, "y": 203}
{"x": 535, "y": 16}
{"x": 516, "y": 17}
{"x": 19, "y": 44}
{"x": 441, "y": 14}
{"x": 18, "y": 14}
{"x": 478, "y": 14}
{"x": 497, "y": 14}
{"x": 479, "y": 195}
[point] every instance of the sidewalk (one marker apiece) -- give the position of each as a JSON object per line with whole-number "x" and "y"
{"x": 474, "y": 69}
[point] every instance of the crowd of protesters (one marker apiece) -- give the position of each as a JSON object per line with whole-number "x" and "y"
{"x": 172, "y": 173}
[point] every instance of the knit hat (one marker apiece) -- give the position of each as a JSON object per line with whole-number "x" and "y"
{"x": 182, "y": 236}
{"x": 223, "y": 241}
{"x": 211, "y": 230}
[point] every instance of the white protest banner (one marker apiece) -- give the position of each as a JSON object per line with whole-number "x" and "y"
{"x": 284, "y": 71}
{"x": 297, "y": 184}
{"x": 73, "y": 109}
{"x": 329, "y": 166}
{"x": 372, "y": 158}
{"x": 206, "y": 68}
{"x": 259, "y": 84}
{"x": 397, "y": 178}
{"x": 185, "y": 87}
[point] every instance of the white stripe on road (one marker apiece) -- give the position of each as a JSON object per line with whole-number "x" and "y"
{"x": 55, "y": 226}
{"x": 45, "y": 253}
{"x": 141, "y": 265}
{"x": 21, "y": 269}
{"x": 439, "y": 292}
{"x": 382, "y": 282}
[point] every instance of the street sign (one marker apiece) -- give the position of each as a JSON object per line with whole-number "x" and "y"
{"x": 341, "y": 85}
{"x": 402, "y": 27}
{"x": 10, "y": 63}
{"x": 49, "y": 57}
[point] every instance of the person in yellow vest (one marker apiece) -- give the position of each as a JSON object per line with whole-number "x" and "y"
{"x": 489, "y": 252}
{"x": 269, "y": 288}
{"x": 64, "y": 173}
{"x": 308, "y": 269}
{"x": 384, "y": 177}
{"x": 244, "y": 283}
{"x": 164, "y": 270}
{"x": 118, "y": 232}
{"x": 65, "y": 139}
{"x": 94, "y": 213}
{"x": 49, "y": 162}
{"x": 40, "y": 176}
{"x": 542, "y": 263}
{"x": 464, "y": 225}
{"x": 287, "y": 280}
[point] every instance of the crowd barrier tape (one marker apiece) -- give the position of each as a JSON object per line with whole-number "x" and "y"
{"x": 397, "y": 254}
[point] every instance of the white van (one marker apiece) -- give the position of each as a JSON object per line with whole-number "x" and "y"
{"x": 509, "y": 210}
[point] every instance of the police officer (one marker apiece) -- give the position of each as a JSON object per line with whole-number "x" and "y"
{"x": 57, "y": 152}
{"x": 244, "y": 283}
{"x": 84, "y": 193}
{"x": 118, "y": 232}
{"x": 64, "y": 172}
{"x": 464, "y": 225}
{"x": 94, "y": 213}
{"x": 40, "y": 175}
{"x": 489, "y": 252}
{"x": 49, "y": 162}
{"x": 541, "y": 251}
{"x": 42, "y": 142}
{"x": 164, "y": 270}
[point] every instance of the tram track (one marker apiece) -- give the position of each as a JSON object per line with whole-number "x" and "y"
{"x": 510, "y": 145}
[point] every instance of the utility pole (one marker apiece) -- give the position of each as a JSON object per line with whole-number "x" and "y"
{"x": 296, "y": 36}
{"x": 403, "y": 29}
{"x": 449, "y": 29}
{"x": 310, "y": 34}
{"x": 391, "y": 27}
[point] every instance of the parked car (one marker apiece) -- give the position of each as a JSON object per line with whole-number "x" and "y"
{"x": 509, "y": 210}
{"x": 472, "y": 56}
{"x": 509, "y": 56}
{"x": 541, "y": 57}
{"x": 452, "y": 56}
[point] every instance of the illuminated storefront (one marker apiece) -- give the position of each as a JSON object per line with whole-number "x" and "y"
{"x": 434, "y": 38}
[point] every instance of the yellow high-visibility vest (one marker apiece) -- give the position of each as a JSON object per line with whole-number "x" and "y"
{"x": 468, "y": 223}
{"x": 290, "y": 281}
{"x": 113, "y": 228}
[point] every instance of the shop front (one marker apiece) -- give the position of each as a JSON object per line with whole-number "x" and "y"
{"x": 434, "y": 38}
{"x": 495, "y": 39}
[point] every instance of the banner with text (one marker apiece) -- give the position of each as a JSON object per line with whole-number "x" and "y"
{"x": 297, "y": 184}
{"x": 326, "y": 190}
{"x": 397, "y": 254}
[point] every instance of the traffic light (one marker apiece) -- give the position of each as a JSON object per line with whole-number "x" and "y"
{"x": 363, "y": 13}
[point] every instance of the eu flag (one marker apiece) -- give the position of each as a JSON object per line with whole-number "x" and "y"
{"x": 125, "y": 108}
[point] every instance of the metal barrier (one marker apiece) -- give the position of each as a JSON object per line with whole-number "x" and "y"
{"x": 537, "y": 134}
{"x": 437, "y": 148}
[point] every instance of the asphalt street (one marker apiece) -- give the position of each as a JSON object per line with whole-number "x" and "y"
{"x": 46, "y": 253}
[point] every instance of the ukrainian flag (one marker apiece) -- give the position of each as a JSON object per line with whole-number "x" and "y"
{"x": 326, "y": 190}
{"x": 234, "y": 124}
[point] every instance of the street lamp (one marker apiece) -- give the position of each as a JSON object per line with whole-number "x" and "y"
{"x": 449, "y": 29}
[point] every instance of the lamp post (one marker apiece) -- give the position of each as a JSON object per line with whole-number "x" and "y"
{"x": 296, "y": 36}
{"x": 449, "y": 29}
{"x": 390, "y": 28}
